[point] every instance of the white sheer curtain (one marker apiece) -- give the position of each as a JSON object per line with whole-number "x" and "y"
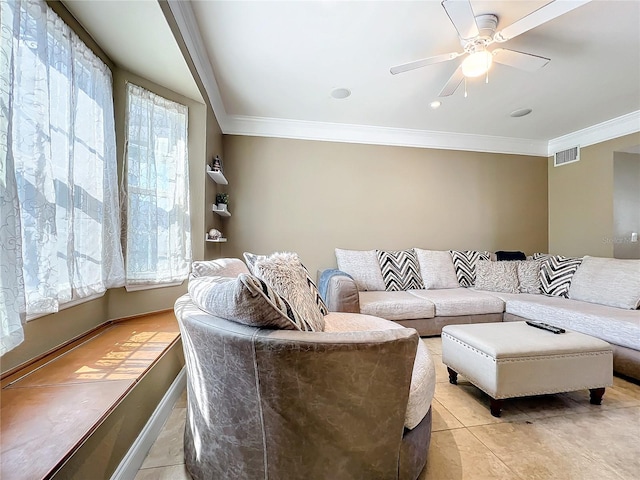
{"x": 57, "y": 103}
{"x": 158, "y": 233}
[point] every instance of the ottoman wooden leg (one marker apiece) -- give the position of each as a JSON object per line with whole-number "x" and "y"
{"x": 596, "y": 396}
{"x": 453, "y": 376}
{"x": 496, "y": 407}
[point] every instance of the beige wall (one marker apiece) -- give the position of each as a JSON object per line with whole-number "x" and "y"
{"x": 581, "y": 200}
{"x": 626, "y": 204}
{"x": 311, "y": 197}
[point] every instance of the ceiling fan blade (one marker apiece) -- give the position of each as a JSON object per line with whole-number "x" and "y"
{"x": 461, "y": 15}
{"x": 405, "y": 67}
{"x": 523, "y": 61}
{"x": 454, "y": 82}
{"x": 540, "y": 16}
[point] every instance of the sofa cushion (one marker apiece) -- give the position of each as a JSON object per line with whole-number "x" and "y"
{"x": 459, "y": 301}
{"x": 400, "y": 270}
{"x": 529, "y": 276}
{"x": 363, "y": 266}
{"x": 607, "y": 281}
{"x": 423, "y": 376}
{"x": 613, "y": 325}
{"x": 223, "y": 267}
{"x": 497, "y": 276}
{"x": 248, "y": 300}
{"x": 284, "y": 272}
{"x": 556, "y": 273}
{"x": 464, "y": 262}
{"x": 436, "y": 268}
{"x": 395, "y": 305}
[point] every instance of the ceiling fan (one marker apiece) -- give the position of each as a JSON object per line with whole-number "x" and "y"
{"x": 477, "y": 33}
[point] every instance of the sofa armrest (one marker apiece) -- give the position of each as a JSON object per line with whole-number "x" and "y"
{"x": 339, "y": 291}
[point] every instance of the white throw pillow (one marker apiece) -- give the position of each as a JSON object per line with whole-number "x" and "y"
{"x": 363, "y": 266}
{"x": 436, "y": 269}
{"x": 607, "y": 281}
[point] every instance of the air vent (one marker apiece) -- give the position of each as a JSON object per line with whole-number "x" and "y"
{"x": 569, "y": 155}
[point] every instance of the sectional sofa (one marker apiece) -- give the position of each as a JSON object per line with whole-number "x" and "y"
{"x": 427, "y": 289}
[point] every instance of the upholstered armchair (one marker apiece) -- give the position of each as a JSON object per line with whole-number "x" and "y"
{"x": 287, "y": 404}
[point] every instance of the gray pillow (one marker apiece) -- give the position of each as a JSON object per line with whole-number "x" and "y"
{"x": 288, "y": 278}
{"x": 497, "y": 276}
{"x": 247, "y": 300}
{"x": 224, "y": 267}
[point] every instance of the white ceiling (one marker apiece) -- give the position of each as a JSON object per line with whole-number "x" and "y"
{"x": 269, "y": 67}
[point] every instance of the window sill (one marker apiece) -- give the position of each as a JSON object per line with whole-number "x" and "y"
{"x": 136, "y": 288}
{"x": 69, "y": 304}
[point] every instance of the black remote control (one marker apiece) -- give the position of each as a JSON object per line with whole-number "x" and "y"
{"x": 546, "y": 326}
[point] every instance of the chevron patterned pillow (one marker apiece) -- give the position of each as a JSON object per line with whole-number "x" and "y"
{"x": 464, "y": 261}
{"x": 400, "y": 270}
{"x": 556, "y": 273}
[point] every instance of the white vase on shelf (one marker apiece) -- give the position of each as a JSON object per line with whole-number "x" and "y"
{"x": 222, "y": 207}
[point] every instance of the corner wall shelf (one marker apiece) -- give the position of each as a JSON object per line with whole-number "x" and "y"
{"x": 217, "y": 176}
{"x": 217, "y": 240}
{"x": 222, "y": 213}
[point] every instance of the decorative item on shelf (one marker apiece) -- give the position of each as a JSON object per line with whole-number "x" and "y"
{"x": 217, "y": 165}
{"x": 215, "y": 234}
{"x": 222, "y": 199}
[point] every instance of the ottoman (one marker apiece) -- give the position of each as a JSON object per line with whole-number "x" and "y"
{"x": 513, "y": 359}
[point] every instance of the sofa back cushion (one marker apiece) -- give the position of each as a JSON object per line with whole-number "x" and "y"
{"x": 248, "y": 300}
{"x": 436, "y": 269}
{"x": 607, "y": 281}
{"x": 363, "y": 266}
{"x": 400, "y": 270}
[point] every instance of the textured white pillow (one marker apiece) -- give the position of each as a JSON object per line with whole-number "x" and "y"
{"x": 607, "y": 281}
{"x": 363, "y": 266}
{"x": 288, "y": 278}
{"x": 436, "y": 269}
{"x": 497, "y": 276}
{"x": 529, "y": 275}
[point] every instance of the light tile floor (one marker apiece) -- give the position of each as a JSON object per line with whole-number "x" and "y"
{"x": 559, "y": 437}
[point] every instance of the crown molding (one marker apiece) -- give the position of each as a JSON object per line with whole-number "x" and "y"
{"x": 349, "y": 133}
{"x": 188, "y": 26}
{"x": 614, "y": 128}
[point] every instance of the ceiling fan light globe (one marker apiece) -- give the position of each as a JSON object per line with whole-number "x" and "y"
{"x": 477, "y": 63}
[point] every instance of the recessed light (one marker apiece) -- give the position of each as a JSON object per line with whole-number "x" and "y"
{"x": 521, "y": 112}
{"x": 340, "y": 93}
{"x": 435, "y": 104}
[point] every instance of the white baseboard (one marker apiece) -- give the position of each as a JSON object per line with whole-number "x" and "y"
{"x": 132, "y": 461}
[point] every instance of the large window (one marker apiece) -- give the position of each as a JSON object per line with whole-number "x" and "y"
{"x": 158, "y": 238}
{"x": 60, "y": 226}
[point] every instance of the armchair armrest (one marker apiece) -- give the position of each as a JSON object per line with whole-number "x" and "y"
{"x": 339, "y": 291}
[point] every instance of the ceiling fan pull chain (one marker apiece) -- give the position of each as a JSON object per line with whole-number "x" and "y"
{"x": 465, "y": 87}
